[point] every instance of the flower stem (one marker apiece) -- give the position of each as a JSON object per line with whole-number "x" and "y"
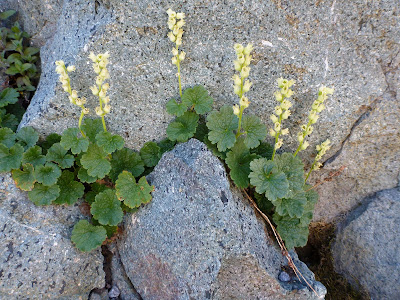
{"x": 276, "y": 138}
{"x": 309, "y": 172}
{"x": 80, "y": 121}
{"x": 179, "y": 73}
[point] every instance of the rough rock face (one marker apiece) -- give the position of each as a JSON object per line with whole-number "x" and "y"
{"x": 351, "y": 45}
{"x": 367, "y": 249}
{"x": 199, "y": 239}
{"x": 37, "y": 258}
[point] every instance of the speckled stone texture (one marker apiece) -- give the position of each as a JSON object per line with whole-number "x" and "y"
{"x": 350, "y": 45}
{"x": 198, "y": 238}
{"x": 367, "y": 249}
{"x": 37, "y": 258}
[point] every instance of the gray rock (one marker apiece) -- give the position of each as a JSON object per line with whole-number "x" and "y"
{"x": 200, "y": 239}
{"x": 350, "y": 45}
{"x": 120, "y": 279}
{"x": 37, "y": 258}
{"x": 366, "y": 250}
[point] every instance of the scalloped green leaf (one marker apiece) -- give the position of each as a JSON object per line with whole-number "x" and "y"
{"x": 166, "y": 145}
{"x": 254, "y": 129}
{"x": 221, "y": 125}
{"x": 107, "y": 208}
{"x": 109, "y": 142}
{"x": 58, "y": 154}
{"x": 25, "y": 178}
{"x": 293, "y": 168}
{"x": 8, "y": 96}
{"x": 267, "y": 178}
{"x": 263, "y": 150}
{"x": 201, "y": 130}
{"x": 293, "y": 206}
{"x": 183, "y": 128}
{"x": 128, "y": 160}
{"x": 84, "y": 176}
{"x": 47, "y": 174}
{"x": 7, "y": 137}
{"x": 133, "y": 194}
{"x": 111, "y": 230}
{"x": 34, "y": 156}
{"x": 198, "y": 98}
{"x": 43, "y": 194}
{"x": 27, "y": 137}
{"x": 150, "y": 154}
{"x": 238, "y": 161}
{"x": 10, "y": 158}
{"x": 92, "y": 127}
{"x": 50, "y": 140}
{"x": 10, "y": 121}
{"x": 88, "y": 237}
{"x": 263, "y": 203}
{"x": 214, "y": 149}
{"x": 291, "y": 231}
{"x": 70, "y": 140}
{"x": 70, "y": 190}
{"x": 312, "y": 198}
{"x": 95, "y": 161}
{"x": 175, "y": 108}
{"x": 96, "y": 188}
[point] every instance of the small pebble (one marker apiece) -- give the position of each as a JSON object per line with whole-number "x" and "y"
{"x": 114, "y": 292}
{"x": 283, "y": 276}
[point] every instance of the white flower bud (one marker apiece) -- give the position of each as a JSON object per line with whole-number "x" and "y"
{"x": 92, "y": 57}
{"x": 278, "y": 144}
{"x": 278, "y": 110}
{"x": 171, "y": 37}
{"x": 174, "y": 51}
{"x": 274, "y": 118}
{"x": 300, "y": 137}
{"x": 95, "y": 90}
{"x": 238, "y": 48}
{"x": 237, "y": 64}
{"x": 74, "y": 94}
{"x": 246, "y": 86}
{"x": 71, "y": 68}
{"x": 237, "y": 80}
{"x": 180, "y": 23}
{"x": 60, "y": 70}
{"x": 171, "y": 13}
{"x": 107, "y": 108}
{"x": 236, "y": 89}
{"x": 236, "y": 109}
{"x": 272, "y": 132}
{"x": 277, "y": 126}
{"x": 286, "y": 114}
{"x": 182, "y": 55}
{"x": 244, "y": 73}
{"x": 178, "y": 41}
{"x": 180, "y": 15}
{"x": 85, "y": 111}
{"x": 285, "y": 131}
{"x": 174, "y": 60}
{"x": 305, "y": 145}
{"x": 99, "y": 111}
{"x": 244, "y": 102}
{"x": 248, "y": 49}
{"x": 106, "y": 100}
{"x": 60, "y": 63}
{"x": 105, "y": 87}
{"x": 278, "y": 96}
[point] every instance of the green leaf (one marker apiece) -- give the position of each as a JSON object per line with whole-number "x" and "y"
{"x": 95, "y": 161}
{"x": 183, "y": 128}
{"x": 51, "y": 139}
{"x": 24, "y": 179}
{"x": 7, "y": 137}
{"x": 126, "y": 159}
{"x": 34, "y": 156}
{"x": 150, "y": 154}
{"x": 8, "y": 96}
{"x": 10, "y": 121}
{"x": 263, "y": 203}
{"x": 70, "y": 190}
{"x": 47, "y": 174}
{"x": 238, "y": 160}
{"x": 109, "y": 229}
{"x": 312, "y": 198}
{"x": 264, "y": 150}
{"x": 134, "y": 194}
{"x": 69, "y": 140}
{"x": 92, "y": 127}
{"x": 95, "y": 190}
{"x": 291, "y": 231}
{"x": 214, "y": 149}
{"x": 107, "y": 208}
{"x": 254, "y": 129}
{"x": 31, "y": 51}
{"x": 87, "y": 237}
{"x": 202, "y": 130}
{"x": 27, "y": 137}
{"x": 174, "y": 108}
{"x": 6, "y": 14}
{"x": 293, "y": 169}
{"x": 166, "y": 145}
{"x": 198, "y": 98}
{"x": 84, "y": 176}
{"x": 109, "y": 142}
{"x": 10, "y": 158}
{"x": 43, "y": 194}
{"x": 267, "y": 178}
{"x": 221, "y": 125}
{"x": 293, "y": 206}
{"x": 58, "y": 154}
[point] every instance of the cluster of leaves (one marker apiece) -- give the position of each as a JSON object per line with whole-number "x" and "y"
{"x": 18, "y": 61}
{"x": 279, "y": 184}
{"x": 62, "y": 169}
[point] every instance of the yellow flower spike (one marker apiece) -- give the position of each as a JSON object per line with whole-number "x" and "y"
{"x": 321, "y": 152}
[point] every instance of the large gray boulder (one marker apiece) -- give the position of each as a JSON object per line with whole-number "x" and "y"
{"x": 350, "y": 45}
{"x": 200, "y": 239}
{"x": 366, "y": 250}
{"x": 37, "y": 258}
